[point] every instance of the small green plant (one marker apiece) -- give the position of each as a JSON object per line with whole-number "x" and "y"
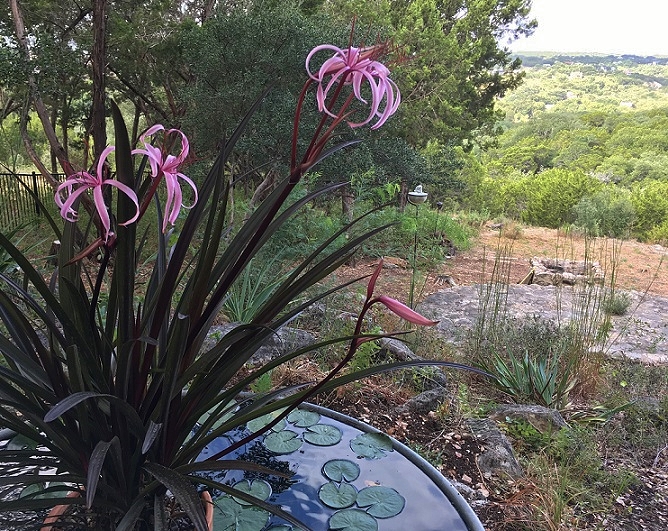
{"x": 365, "y": 355}
{"x": 616, "y": 303}
{"x": 541, "y": 380}
{"x": 17, "y": 236}
{"x": 262, "y": 384}
{"x": 531, "y": 439}
{"x": 532, "y": 361}
{"x": 253, "y": 289}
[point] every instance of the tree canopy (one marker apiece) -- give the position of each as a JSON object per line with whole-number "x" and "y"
{"x": 199, "y": 64}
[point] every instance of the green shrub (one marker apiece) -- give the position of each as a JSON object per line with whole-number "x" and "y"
{"x": 436, "y": 230}
{"x": 502, "y": 196}
{"x": 608, "y": 212}
{"x": 252, "y": 289}
{"x": 554, "y": 193}
{"x": 650, "y": 201}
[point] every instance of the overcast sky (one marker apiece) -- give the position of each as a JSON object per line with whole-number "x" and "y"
{"x": 637, "y": 27}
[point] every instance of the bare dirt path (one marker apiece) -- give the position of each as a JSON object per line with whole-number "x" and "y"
{"x": 636, "y": 266}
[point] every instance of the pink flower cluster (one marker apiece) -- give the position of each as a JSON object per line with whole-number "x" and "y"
{"x": 354, "y": 66}
{"x": 162, "y": 164}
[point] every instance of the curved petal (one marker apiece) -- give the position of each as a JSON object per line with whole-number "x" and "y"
{"x": 356, "y": 66}
{"x": 66, "y": 210}
{"x": 192, "y": 185}
{"x": 100, "y": 163}
{"x": 151, "y": 131}
{"x": 154, "y": 156}
{"x": 130, "y": 193}
{"x": 101, "y": 208}
{"x": 404, "y": 311}
{"x": 185, "y": 145}
{"x": 316, "y": 50}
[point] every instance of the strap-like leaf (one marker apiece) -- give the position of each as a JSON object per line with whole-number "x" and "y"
{"x": 151, "y": 435}
{"x": 95, "y": 464}
{"x": 183, "y": 490}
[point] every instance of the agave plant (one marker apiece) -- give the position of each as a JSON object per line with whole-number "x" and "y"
{"x": 116, "y": 403}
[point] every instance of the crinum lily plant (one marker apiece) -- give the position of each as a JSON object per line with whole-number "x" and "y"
{"x": 106, "y": 380}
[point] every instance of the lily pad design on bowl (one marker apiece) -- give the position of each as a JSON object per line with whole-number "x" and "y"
{"x": 352, "y": 520}
{"x": 257, "y": 488}
{"x": 381, "y": 502}
{"x": 303, "y": 418}
{"x": 283, "y": 442}
{"x": 260, "y": 422}
{"x": 323, "y": 435}
{"x": 338, "y": 496}
{"x": 341, "y": 470}
{"x": 230, "y": 515}
{"x": 376, "y": 501}
{"x": 372, "y": 445}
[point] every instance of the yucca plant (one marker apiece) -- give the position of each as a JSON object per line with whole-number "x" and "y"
{"x": 116, "y": 401}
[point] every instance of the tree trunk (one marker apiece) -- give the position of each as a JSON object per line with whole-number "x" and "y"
{"x": 403, "y": 195}
{"x": 347, "y": 203}
{"x": 44, "y": 118}
{"x": 30, "y": 149}
{"x": 98, "y": 122}
{"x": 263, "y": 189}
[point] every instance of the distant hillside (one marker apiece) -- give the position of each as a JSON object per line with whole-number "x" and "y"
{"x": 585, "y": 141}
{"x": 550, "y": 58}
{"x": 586, "y": 83}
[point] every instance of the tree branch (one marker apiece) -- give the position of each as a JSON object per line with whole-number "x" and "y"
{"x": 49, "y": 131}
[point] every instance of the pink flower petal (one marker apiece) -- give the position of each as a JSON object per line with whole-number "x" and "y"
{"x": 405, "y": 312}
{"x": 70, "y": 190}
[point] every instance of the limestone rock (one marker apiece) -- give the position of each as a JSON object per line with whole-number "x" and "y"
{"x": 544, "y": 419}
{"x": 424, "y": 402}
{"x": 285, "y": 340}
{"x": 498, "y": 458}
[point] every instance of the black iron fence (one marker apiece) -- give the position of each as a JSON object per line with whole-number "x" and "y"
{"x": 21, "y": 195}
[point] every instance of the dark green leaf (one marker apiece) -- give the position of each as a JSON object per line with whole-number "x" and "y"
{"x": 352, "y": 520}
{"x": 337, "y": 496}
{"x": 341, "y": 469}
{"x": 183, "y": 490}
{"x": 381, "y": 502}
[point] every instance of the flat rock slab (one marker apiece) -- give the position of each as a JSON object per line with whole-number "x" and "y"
{"x": 641, "y": 334}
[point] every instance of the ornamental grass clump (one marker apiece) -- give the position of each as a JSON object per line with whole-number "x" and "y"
{"x": 105, "y": 379}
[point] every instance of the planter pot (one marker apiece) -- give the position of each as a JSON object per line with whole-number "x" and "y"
{"x": 346, "y": 475}
{"x": 51, "y": 520}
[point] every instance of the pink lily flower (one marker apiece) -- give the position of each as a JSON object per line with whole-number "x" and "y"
{"x": 68, "y": 192}
{"x": 355, "y": 66}
{"x": 168, "y": 165}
